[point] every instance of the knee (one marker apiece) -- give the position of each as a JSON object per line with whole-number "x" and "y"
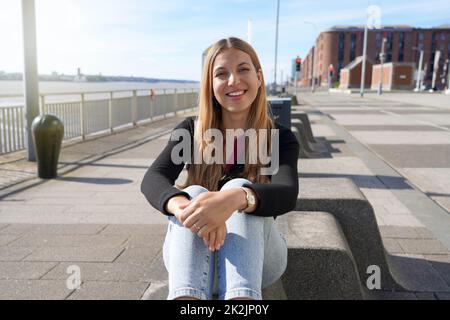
{"x": 235, "y": 183}
{"x": 195, "y": 190}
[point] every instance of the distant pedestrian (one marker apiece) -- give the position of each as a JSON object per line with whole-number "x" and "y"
{"x": 222, "y": 219}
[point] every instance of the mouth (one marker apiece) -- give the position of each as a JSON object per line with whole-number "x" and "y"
{"x": 236, "y": 94}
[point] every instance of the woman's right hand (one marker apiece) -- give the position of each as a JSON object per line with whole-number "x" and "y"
{"x": 176, "y": 204}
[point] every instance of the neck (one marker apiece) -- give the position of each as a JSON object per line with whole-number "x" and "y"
{"x": 231, "y": 120}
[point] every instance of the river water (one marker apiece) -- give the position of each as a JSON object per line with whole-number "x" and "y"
{"x": 50, "y": 87}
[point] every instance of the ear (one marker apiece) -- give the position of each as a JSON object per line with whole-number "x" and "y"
{"x": 260, "y": 77}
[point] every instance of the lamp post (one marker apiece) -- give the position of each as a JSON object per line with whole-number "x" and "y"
{"x": 363, "y": 73}
{"x": 313, "y": 83}
{"x": 30, "y": 73}
{"x": 276, "y": 49}
{"x": 382, "y": 58}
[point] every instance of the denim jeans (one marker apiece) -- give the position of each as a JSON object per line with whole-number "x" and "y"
{"x": 253, "y": 256}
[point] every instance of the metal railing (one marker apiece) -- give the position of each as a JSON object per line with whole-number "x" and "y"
{"x": 88, "y": 113}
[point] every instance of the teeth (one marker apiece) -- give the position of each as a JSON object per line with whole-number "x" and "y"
{"x": 236, "y": 93}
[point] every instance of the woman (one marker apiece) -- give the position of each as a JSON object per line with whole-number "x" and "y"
{"x": 221, "y": 222}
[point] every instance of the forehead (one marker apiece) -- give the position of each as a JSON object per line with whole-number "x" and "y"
{"x": 231, "y": 57}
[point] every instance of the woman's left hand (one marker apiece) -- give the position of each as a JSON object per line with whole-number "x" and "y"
{"x": 209, "y": 210}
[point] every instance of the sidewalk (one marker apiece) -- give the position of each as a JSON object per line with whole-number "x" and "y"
{"x": 93, "y": 216}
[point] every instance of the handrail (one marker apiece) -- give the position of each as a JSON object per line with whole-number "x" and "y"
{"x": 91, "y": 92}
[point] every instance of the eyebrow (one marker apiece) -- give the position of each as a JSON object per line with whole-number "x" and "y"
{"x": 240, "y": 64}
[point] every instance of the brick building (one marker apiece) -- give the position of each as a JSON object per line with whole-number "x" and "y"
{"x": 340, "y": 45}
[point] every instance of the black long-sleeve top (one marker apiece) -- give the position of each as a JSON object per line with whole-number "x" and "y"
{"x": 277, "y": 197}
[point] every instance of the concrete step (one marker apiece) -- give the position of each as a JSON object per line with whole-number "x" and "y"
{"x": 320, "y": 262}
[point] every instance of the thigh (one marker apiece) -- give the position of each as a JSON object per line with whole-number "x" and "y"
{"x": 188, "y": 261}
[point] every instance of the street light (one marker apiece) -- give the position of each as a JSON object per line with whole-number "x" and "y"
{"x": 363, "y": 73}
{"x": 30, "y": 73}
{"x": 276, "y": 49}
{"x": 382, "y": 59}
{"x": 313, "y": 84}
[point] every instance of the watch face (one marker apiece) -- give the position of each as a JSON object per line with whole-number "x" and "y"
{"x": 251, "y": 200}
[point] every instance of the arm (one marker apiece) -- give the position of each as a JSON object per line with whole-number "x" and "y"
{"x": 158, "y": 182}
{"x": 280, "y": 195}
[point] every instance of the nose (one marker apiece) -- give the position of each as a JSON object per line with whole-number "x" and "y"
{"x": 233, "y": 79}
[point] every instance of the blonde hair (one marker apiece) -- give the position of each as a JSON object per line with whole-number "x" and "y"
{"x": 209, "y": 117}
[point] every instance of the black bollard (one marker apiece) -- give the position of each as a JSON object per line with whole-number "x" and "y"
{"x": 48, "y": 132}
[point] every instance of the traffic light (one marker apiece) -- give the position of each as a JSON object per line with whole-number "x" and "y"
{"x": 331, "y": 70}
{"x": 298, "y": 63}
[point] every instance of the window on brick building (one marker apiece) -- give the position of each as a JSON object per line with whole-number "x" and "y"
{"x": 378, "y": 40}
{"x": 401, "y": 46}
{"x": 352, "y": 47}
{"x": 341, "y": 47}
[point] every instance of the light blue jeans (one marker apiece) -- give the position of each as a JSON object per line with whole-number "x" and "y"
{"x": 253, "y": 256}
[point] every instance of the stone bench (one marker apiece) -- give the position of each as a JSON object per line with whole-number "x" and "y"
{"x": 320, "y": 262}
{"x": 298, "y": 129}
{"x": 301, "y": 127}
{"x": 333, "y": 239}
{"x": 304, "y": 119}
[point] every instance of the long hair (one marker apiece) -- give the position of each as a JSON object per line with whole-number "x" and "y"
{"x": 209, "y": 116}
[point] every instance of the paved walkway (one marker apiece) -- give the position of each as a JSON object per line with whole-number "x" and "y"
{"x": 94, "y": 217}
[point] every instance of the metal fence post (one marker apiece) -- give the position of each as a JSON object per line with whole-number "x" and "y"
{"x": 165, "y": 103}
{"x": 152, "y": 106}
{"x": 176, "y": 102}
{"x": 134, "y": 108}
{"x": 110, "y": 114}
{"x": 42, "y": 105}
{"x": 82, "y": 117}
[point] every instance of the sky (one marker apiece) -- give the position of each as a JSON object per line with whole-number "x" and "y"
{"x": 166, "y": 39}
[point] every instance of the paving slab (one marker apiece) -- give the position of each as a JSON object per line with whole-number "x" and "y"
{"x": 14, "y": 254}
{"x": 24, "y": 270}
{"x": 417, "y": 274}
{"x": 140, "y": 254}
{"x": 33, "y": 290}
{"x": 49, "y": 229}
{"x": 422, "y": 246}
{"x": 80, "y": 254}
{"x": 110, "y": 272}
{"x": 46, "y": 240}
{"x": 109, "y": 290}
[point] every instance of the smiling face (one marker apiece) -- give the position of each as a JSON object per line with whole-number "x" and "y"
{"x": 235, "y": 80}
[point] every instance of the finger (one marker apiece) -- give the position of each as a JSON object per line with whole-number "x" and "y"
{"x": 219, "y": 238}
{"x": 184, "y": 205}
{"x": 206, "y": 240}
{"x": 205, "y": 230}
{"x": 212, "y": 240}
{"x": 186, "y": 212}
{"x": 189, "y": 221}
{"x": 197, "y": 225}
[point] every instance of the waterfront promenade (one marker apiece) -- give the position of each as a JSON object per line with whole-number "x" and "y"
{"x": 94, "y": 217}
